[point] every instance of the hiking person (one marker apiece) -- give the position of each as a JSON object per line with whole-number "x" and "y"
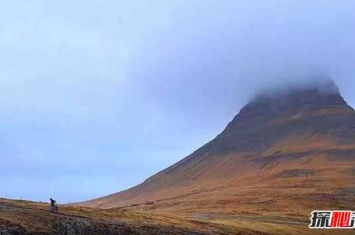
{"x": 54, "y": 206}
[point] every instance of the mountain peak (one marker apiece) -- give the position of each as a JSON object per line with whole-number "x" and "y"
{"x": 316, "y": 95}
{"x": 320, "y": 87}
{"x": 315, "y": 108}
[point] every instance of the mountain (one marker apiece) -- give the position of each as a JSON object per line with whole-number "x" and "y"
{"x": 287, "y": 152}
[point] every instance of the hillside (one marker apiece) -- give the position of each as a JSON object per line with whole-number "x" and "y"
{"x": 31, "y": 218}
{"x": 285, "y": 154}
{"x": 19, "y": 217}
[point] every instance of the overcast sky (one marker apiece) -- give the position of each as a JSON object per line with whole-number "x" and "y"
{"x": 96, "y": 96}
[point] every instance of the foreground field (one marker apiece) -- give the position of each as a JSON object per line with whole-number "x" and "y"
{"x": 23, "y": 217}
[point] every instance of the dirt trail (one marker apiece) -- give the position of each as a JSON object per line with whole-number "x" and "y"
{"x": 253, "y": 218}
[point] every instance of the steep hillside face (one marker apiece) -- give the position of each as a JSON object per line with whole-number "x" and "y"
{"x": 293, "y": 146}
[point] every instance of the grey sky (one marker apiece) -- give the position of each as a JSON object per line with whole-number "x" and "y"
{"x": 96, "y": 96}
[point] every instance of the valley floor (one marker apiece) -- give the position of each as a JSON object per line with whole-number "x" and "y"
{"x": 24, "y": 217}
